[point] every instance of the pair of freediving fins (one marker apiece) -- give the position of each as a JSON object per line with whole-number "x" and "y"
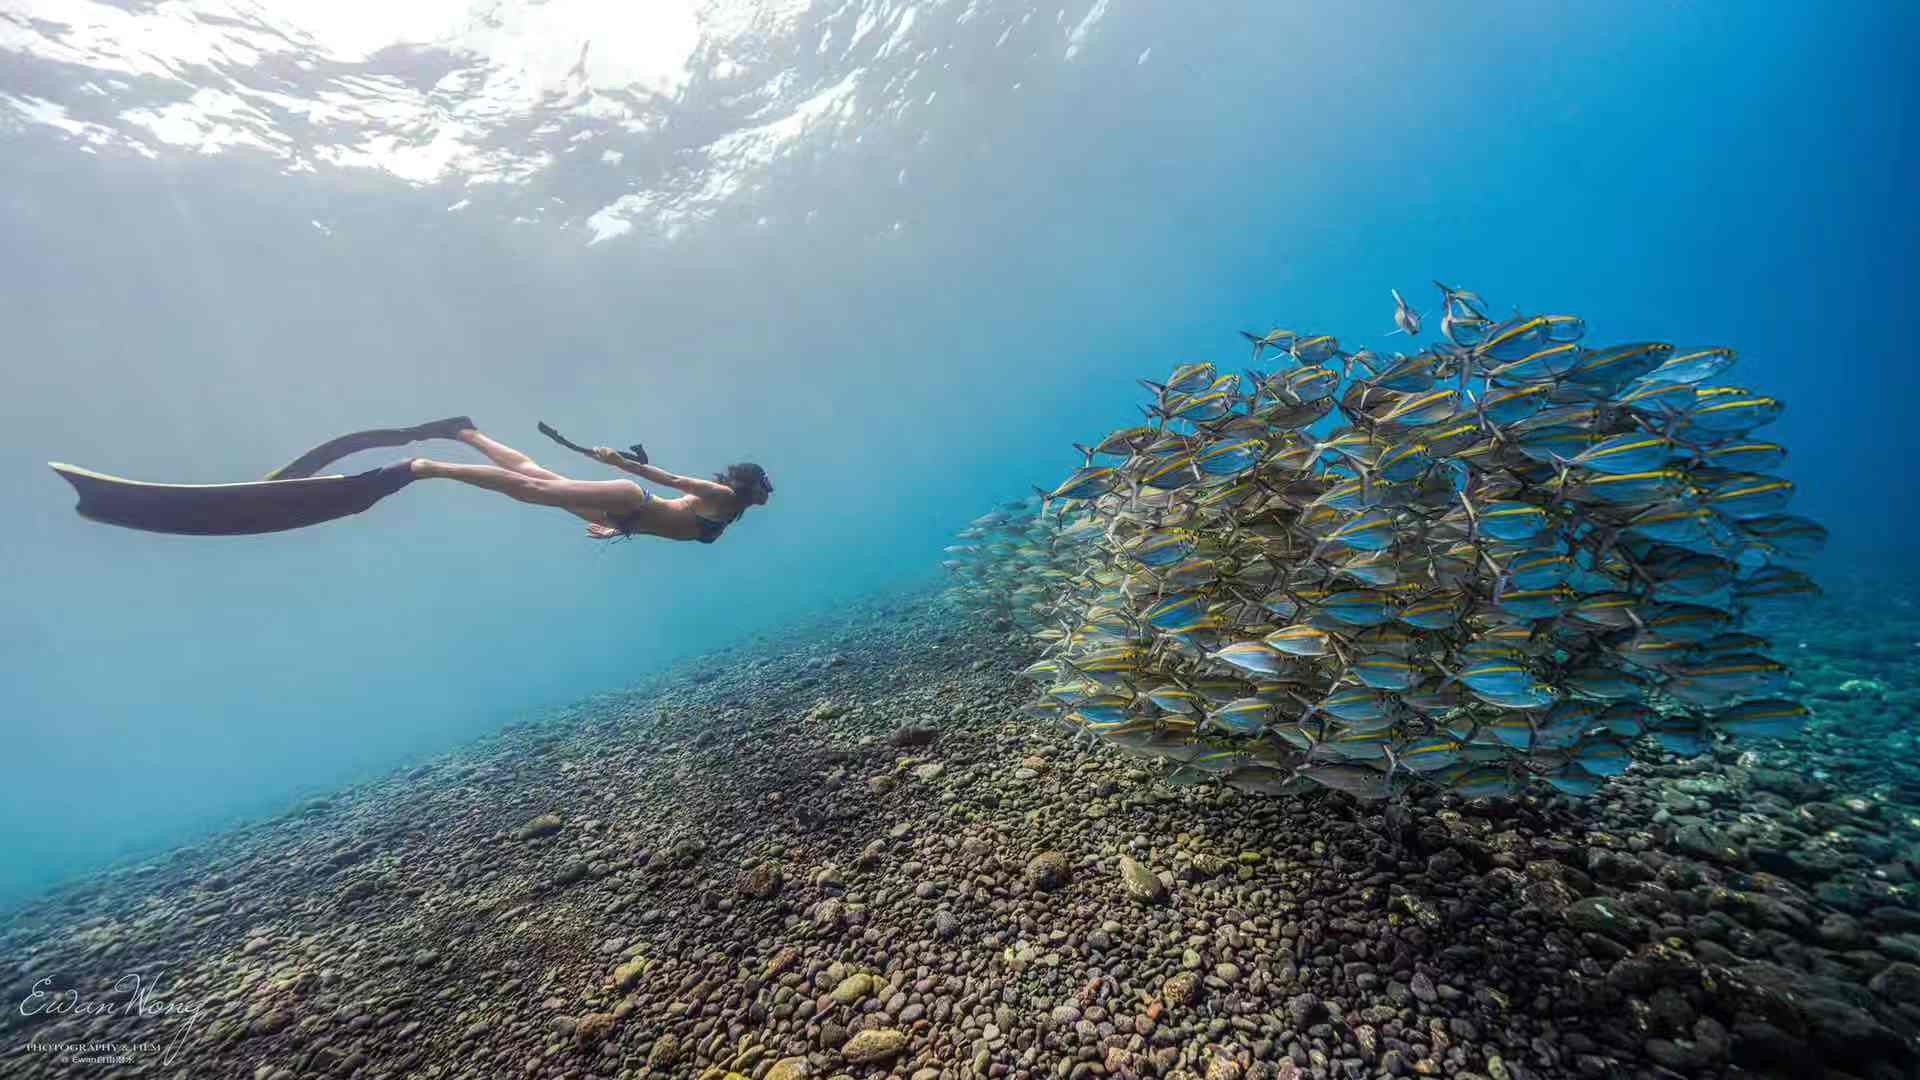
{"x": 290, "y": 497}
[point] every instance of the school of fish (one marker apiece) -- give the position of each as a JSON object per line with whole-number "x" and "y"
{"x": 1507, "y": 559}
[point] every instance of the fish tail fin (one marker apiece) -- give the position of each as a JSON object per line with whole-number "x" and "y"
{"x": 1473, "y": 519}
{"x": 1311, "y": 709}
{"x": 1703, "y": 453}
{"x": 1473, "y": 731}
{"x": 1669, "y": 427}
{"x": 1565, "y": 465}
{"x": 1045, "y": 498}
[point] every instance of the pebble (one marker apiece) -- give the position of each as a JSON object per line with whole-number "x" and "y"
{"x": 544, "y": 825}
{"x": 1181, "y": 989}
{"x": 1140, "y": 883}
{"x": 853, "y": 989}
{"x": 874, "y": 1044}
{"x": 1048, "y": 870}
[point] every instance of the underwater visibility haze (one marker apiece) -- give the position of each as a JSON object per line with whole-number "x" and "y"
{"x": 1173, "y": 634}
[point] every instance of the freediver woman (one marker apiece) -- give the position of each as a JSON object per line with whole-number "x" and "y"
{"x": 611, "y": 508}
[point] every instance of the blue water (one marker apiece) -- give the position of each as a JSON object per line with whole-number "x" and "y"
{"x": 905, "y": 313}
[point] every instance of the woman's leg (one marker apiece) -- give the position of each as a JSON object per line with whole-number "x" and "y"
{"x": 515, "y": 485}
{"x": 506, "y": 456}
{"x": 589, "y": 499}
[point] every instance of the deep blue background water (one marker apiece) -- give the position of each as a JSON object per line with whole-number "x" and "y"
{"x": 904, "y": 329}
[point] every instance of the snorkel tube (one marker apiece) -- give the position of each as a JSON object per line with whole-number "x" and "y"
{"x": 636, "y": 454}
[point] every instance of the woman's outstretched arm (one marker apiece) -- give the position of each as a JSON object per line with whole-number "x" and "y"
{"x": 689, "y": 484}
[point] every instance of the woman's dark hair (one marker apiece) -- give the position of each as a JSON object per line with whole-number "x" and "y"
{"x": 743, "y": 477}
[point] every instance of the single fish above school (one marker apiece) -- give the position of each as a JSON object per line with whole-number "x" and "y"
{"x": 1512, "y": 559}
{"x": 1405, "y": 319}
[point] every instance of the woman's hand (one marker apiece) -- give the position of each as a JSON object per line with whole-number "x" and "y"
{"x": 606, "y": 454}
{"x": 602, "y": 532}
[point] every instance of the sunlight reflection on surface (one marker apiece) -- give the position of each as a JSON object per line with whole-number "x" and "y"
{"x": 649, "y": 117}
